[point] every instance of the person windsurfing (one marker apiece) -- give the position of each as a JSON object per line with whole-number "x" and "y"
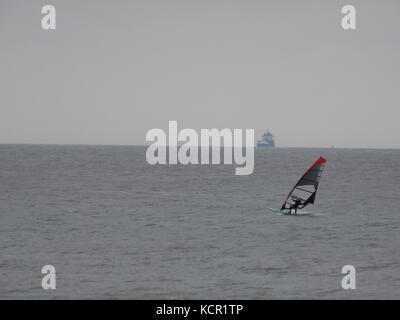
{"x": 304, "y": 191}
{"x": 296, "y": 205}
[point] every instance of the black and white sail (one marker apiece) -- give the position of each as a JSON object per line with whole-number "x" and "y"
{"x": 305, "y": 189}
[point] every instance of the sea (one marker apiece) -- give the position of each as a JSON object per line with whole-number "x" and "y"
{"x": 115, "y": 227}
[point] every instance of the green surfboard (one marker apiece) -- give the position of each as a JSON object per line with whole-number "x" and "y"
{"x": 286, "y": 213}
{"x": 282, "y": 212}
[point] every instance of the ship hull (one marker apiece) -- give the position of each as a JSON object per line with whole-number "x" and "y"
{"x": 261, "y": 145}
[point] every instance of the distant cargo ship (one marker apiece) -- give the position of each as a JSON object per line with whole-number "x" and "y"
{"x": 267, "y": 140}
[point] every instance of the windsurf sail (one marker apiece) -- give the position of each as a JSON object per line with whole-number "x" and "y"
{"x": 305, "y": 189}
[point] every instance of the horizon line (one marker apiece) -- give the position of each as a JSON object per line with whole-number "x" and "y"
{"x": 146, "y": 145}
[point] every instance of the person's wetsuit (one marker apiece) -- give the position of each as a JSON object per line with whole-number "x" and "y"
{"x": 295, "y": 205}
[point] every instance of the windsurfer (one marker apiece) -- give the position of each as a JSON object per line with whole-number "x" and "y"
{"x": 297, "y": 203}
{"x": 305, "y": 190}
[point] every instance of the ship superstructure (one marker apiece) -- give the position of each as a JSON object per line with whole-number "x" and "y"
{"x": 267, "y": 140}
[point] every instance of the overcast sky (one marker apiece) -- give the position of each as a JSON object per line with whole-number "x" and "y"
{"x": 112, "y": 70}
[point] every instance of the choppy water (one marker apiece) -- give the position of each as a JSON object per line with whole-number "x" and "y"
{"x": 116, "y": 227}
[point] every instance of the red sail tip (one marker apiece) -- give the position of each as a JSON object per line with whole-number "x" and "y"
{"x": 318, "y": 161}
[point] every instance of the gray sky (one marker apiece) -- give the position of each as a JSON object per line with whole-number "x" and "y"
{"x": 115, "y": 69}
